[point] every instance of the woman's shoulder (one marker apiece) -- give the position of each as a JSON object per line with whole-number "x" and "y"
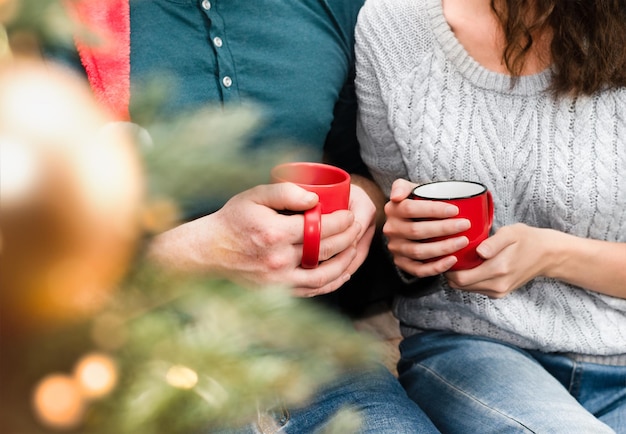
{"x": 390, "y": 9}
{"x": 397, "y": 27}
{"x": 398, "y": 19}
{"x": 393, "y": 38}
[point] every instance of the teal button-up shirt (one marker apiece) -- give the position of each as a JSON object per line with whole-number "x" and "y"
{"x": 291, "y": 57}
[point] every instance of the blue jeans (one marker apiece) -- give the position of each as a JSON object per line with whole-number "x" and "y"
{"x": 376, "y": 395}
{"x": 471, "y": 384}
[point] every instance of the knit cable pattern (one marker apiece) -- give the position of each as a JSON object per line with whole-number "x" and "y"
{"x": 428, "y": 111}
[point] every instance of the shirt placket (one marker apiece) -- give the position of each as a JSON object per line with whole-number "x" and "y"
{"x": 224, "y": 60}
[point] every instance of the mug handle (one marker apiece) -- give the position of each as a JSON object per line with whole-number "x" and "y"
{"x": 312, "y": 234}
{"x": 490, "y": 208}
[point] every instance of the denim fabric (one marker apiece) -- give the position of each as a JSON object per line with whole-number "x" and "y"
{"x": 600, "y": 389}
{"x": 377, "y": 396}
{"x": 471, "y": 384}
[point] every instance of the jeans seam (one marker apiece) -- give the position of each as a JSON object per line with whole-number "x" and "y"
{"x": 473, "y": 398}
{"x": 575, "y": 380}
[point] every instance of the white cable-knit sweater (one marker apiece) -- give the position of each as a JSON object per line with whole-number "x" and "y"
{"x": 428, "y": 111}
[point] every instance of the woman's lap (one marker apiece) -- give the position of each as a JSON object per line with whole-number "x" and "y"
{"x": 474, "y": 384}
{"x": 600, "y": 389}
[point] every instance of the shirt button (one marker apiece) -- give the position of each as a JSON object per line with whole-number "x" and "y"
{"x": 206, "y": 4}
{"x": 227, "y": 81}
{"x": 217, "y": 41}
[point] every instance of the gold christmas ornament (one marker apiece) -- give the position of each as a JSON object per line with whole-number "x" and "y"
{"x": 70, "y": 194}
{"x": 8, "y": 10}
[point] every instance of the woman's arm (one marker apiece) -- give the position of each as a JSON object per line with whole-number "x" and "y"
{"x": 596, "y": 265}
{"x": 519, "y": 253}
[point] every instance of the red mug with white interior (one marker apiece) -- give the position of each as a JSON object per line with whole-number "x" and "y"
{"x": 332, "y": 186}
{"x": 475, "y": 203}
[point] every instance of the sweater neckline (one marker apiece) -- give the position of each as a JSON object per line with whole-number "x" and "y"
{"x": 473, "y": 71}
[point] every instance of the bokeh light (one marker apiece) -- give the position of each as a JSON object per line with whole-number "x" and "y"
{"x": 96, "y": 375}
{"x": 58, "y": 402}
{"x": 181, "y": 377}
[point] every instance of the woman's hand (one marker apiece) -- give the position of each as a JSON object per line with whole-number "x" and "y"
{"x": 411, "y": 223}
{"x": 513, "y": 256}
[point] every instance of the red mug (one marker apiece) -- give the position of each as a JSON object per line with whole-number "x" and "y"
{"x": 332, "y": 186}
{"x": 475, "y": 203}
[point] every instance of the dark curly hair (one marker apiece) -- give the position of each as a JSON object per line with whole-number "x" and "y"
{"x": 588, "y": 48}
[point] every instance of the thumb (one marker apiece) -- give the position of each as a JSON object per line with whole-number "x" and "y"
{"x": 401, "y": 189}
{"x": 494, "y": 245}
{"x": 287, "y": 196}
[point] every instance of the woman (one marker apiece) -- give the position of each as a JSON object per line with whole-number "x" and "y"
{"x": 529, "y": 98}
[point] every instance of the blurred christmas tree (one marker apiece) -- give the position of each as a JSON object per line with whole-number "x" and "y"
{"x": 94, "y": 338}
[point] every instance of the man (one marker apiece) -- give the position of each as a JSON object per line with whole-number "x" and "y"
{"x": 294, "y": 59}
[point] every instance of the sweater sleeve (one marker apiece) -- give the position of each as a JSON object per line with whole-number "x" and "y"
{"x": 388, "y": 45}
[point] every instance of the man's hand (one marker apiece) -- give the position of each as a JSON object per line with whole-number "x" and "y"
{"x": 250, "y": 241}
